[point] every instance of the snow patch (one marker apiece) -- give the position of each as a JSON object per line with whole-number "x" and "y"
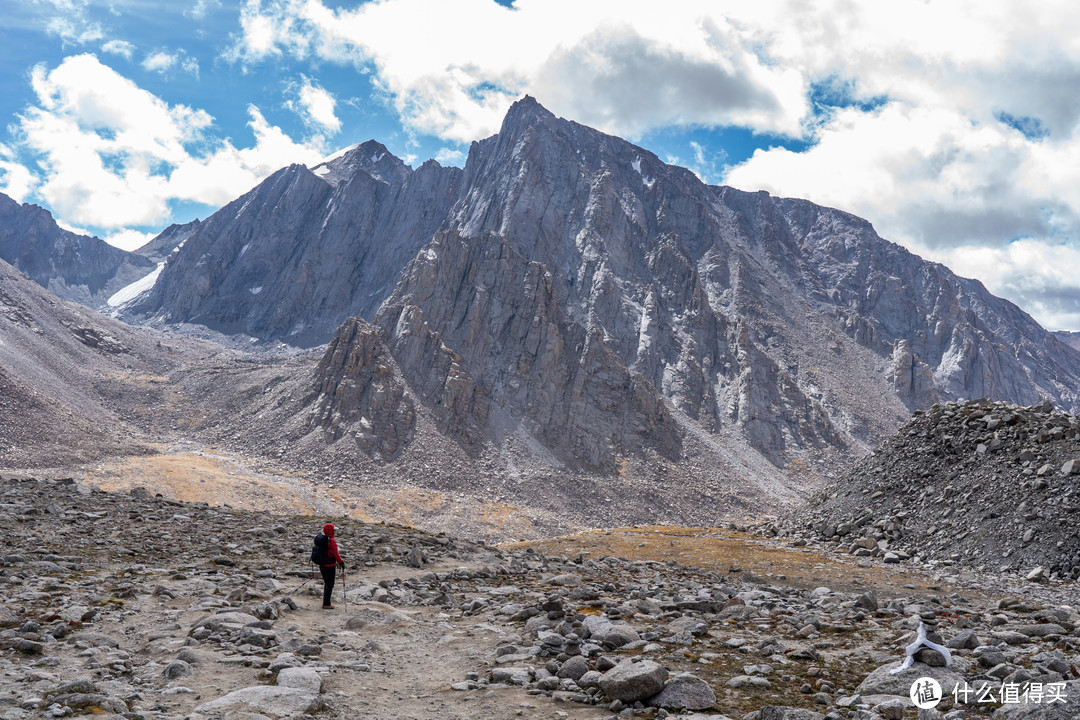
{"x": 255, "y": 290}
{"x": 244, "y": 249}
{"x": 130, "y": 292}
{"x": 376, "y": 157}
{"x": 321, "y": 171}
{"x": 649, "y": 181}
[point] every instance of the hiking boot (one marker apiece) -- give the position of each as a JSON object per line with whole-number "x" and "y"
{"x": 327, "y": 607}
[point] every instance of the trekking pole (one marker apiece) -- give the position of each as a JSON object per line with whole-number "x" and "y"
{"x": 344, "y": 593}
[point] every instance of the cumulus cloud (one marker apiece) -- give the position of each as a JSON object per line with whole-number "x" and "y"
{"x": 119, "y": 47}
{"x": 452, "y": 69}
{"x": 16, "y": 180}
{"x": 1040, "y": 276}
{"x": 163, "y": 62}
{"x": 71, "y": 22}
{"x": 115, "y": 155}
{"x": 316, "y": 106}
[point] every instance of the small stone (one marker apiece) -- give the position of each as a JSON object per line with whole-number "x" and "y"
{"x": 930, "y": 657}
{"x": 867, "y": 601}
{"x": 964, "y": 640}
{"x": 574, "y": 668}
{"x": 177, "y": 668}
{"x": 567, "y": 580}
{"x": 1071, "y": 467}
{"x": 741, "y": 681}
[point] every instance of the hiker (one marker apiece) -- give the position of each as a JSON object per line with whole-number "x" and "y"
{"x": 325, "y": 555}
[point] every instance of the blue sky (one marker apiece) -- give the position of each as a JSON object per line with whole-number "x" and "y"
{"x": 952, "y": 126}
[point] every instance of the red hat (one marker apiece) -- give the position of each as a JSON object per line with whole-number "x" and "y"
{"x": 328, "y": 529}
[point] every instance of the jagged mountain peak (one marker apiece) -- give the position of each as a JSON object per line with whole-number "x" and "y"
{"x": 371, "y": 157}
{"x": 524, "y": 112}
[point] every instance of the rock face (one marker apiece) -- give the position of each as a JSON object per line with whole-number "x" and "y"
{"x": 503, "y": 345}
{"x": 1072, "y": 339}
{"x": 305, "y": 249}
{"x": 569, "y": 286}
{"x": 167, "y": 241}
{"x": 359, "y": 393}
{"x": 75, "y": 267}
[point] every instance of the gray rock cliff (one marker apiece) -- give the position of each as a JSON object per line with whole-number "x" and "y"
{"x": 298, "y": 254}
{"x": 75, "y": 267}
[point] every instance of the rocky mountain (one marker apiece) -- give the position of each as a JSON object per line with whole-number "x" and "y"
{"x": 1072, "y": 339}
{"x": 569, "y": 289}
{"x": 167, "y": 240}
{"x": 305, "y": 249}
{"x": 75, "y": 267}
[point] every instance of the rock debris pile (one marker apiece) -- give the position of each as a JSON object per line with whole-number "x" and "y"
{"x": 975, "y": 484}
{"x": 133, "y": 606}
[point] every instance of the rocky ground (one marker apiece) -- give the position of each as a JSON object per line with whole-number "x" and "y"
{"x": 974, "y": 484}
{"x": 136, "y": 606}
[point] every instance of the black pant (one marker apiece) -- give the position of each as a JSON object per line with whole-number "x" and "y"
{"x": 329, "y": 573}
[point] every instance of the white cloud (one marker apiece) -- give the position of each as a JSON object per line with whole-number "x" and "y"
{"x": 979, "y": 197}
{"x": 16, "y": 180}
{"x": 1039, "y": 276}
{"x": 452, "y": 69}
{"x": 163, "y": 61}
{"x": 116, "y": 155}
{"x": 119, "y": 47}
{"x": 129, "y": 239}
{"x": 201, "y": 9}
{"x": 449, "y": 156}
{"x": 159, "y": 61}
{"x": 72, "y": 24}
{"x": 318, "y": 107}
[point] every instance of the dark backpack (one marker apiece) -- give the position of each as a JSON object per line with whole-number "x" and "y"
{"x": 320, "y": 553}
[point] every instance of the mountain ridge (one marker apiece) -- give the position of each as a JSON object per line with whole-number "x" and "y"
{"x": 794, "y": 324}
{"x": 75, "y": 267}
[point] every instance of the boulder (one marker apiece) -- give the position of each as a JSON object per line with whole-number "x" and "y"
{"x": 632, "y": 681}
{"x": 684, "y": 691}
{"x": 301, "y": 678}
{"x": 269, "y": 699}
{"x": 612, "y": 634}
{"x": 882, "y": 682}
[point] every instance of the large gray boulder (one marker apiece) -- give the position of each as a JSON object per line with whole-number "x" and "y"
{"x": 632, "y": 681}
{"x": 274, "y": 701}
{"x": 882, "y": 682}
{"x": 684, "y": 691}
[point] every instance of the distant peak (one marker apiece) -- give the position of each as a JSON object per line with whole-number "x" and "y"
{"x": 526, "y": 111}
